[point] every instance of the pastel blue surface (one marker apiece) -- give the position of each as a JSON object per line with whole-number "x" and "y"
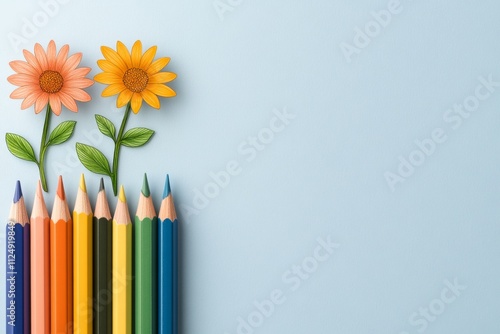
{"x": 334, "y": 163}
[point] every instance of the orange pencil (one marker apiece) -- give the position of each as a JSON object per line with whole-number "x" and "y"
{"x": 40, "y": 269}
{"x": 61, "y": 264}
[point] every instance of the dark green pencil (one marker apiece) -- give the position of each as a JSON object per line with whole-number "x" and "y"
{"x": 102, "y": 264}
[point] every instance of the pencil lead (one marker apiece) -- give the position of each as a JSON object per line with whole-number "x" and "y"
{"x": 101, "y": 185}
{"x": 18, "y": 193}
{"x": 60, "y": 189}
{"x": 145, "y": 186}
{"x": 166, "y": 189}
{"x": 83, "y": 186}
{"x": 121, "y": 195}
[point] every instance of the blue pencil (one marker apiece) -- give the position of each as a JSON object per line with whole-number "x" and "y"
{"x": 17, "y": 230}
{"x": 167, "y": 264}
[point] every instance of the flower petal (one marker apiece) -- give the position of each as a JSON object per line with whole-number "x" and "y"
{"x": 68, "y": 102}
{"x": 124, "y": 98}
{"x": 162, "y": 77}
{"x": 108, "y": 78}
{"x": 31, "y": 59}
{"x": 157, "y": 65}
{"x": 41, "y": 57}
{"x": 55, "y": 103}
{"x": 136, "y": 54}
{"x": 108, "y": 66}
{"x": 136, "y": 102}
{"x": 30, "y": 100}
{"x": 51, "y": 55}
{"x": 22, "y": 79}
{"x": 77, "y": 94}
{"x": 22, "y": 92}
{"x": 70, "y": 64}
{"x": 41, "y": 102}
{"x": 61, "y": 57}
{"x": 148, "y": 57}
{"x": 151, "y": 98}
{"x": 23, "y": 67}
{"x": 112, "y": 56}
{"x": 124, "y": 54}
{"x": 161, "y": 90}
{"x": 113, "y": 89}
{"x": 79, "y": 83}
{"x": 78, "y": 73}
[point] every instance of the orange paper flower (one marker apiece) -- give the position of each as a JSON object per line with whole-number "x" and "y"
{"x": 47, "y": 77}
{"x": 134, "y": 76}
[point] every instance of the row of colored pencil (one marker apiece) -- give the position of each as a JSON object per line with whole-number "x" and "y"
{"x": 88, "y": 272}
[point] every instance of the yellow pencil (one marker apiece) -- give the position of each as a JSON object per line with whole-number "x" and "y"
{"x": 122, "y": 267}
{"x": 82, "y": 261}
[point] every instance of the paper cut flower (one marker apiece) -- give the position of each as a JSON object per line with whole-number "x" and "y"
{"x": 50, "y": 80}
{"x": 134, "y": 77}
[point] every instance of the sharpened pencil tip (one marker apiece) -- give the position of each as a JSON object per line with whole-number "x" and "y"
{"x": 121, "y": 195}
{"x": 101, "y": 185}
{"x": 145, "y": 186}
{"x": 60, "y": 189}
{"x": 83, "y": 186}
{"x": 39, "y": 189}
{"x": 166, "y": 189}
{"x": 18, "y": 193}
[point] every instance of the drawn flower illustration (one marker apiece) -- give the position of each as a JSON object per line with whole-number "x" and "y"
{"x": 135, "y": 77}
{"x": 47, "y": 79}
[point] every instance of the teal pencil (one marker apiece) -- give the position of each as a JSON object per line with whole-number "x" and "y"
{"x": 167, "y": 264}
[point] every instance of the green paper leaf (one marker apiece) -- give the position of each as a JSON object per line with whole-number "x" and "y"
{"x": 93, "y": 159}
{"x": 61, "y": 133}
{"x": 20, "y": 147}
{"x": 137, "y": 137}
{"x": 106, "y": 127}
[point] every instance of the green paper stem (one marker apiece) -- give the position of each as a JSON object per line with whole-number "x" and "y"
{"x": 118, "y": 144}
{"x": 43, "y": 148}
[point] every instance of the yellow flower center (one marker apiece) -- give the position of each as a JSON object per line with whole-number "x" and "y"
{"x": 51, "y": 81}
{"x": 135, "y": 79}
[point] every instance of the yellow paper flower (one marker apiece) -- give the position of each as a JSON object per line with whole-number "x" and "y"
{"x": 134, "y": 76}
{"x": 47, "y": 77}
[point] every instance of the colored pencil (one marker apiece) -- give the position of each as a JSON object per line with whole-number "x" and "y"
{"x": 40, "y": 266}
{"x": 167, "y": 263}
{"x": 122, "y": 267}
{"x": 102, "y": 263}
{"x": 17, "y": 231}
{"x": 61, "y": 264}
{"x": 145, "y": 263}
{"x": 82, "y": 261}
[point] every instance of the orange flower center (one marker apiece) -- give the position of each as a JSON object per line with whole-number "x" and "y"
{"x": 51, "y": 81}
{"x": 135, "y": 79}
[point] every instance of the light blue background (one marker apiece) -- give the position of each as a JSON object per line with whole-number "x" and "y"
{"x": 323, "y": 175}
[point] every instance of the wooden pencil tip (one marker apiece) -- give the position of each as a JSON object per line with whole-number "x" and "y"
{"x": 166, "y": 189}
{"x": 83, "y": 186}
{"x": 60, "y": 189}
{"x": 121, "y": 195}
{"x": 39, "y": 190}
{"x": 145, "y": 186}
{"x": 18, "y": 193}
{"x": 101, "y": 184}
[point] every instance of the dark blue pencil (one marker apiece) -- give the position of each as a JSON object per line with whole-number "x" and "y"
{"x": 17, "y": 261}
{"x": 167, "y": 264}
